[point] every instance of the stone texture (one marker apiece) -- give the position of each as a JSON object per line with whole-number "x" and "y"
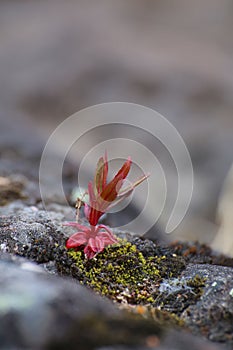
{"x": 38, "y": 310}
{"x": 40, "y": 236}
{"x": 212, "y": 315}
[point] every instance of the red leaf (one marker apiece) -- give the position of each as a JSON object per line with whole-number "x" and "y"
{"x": 110, "y": 192}
{"x": 76, "y": 240}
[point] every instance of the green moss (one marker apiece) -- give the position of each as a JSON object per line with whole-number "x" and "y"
{"x": 150, "y": 286}
{"x": 122, "y": 273}
{"x": 197, "y": 282}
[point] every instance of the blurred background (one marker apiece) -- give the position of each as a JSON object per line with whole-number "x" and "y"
{"x": 57, "y": 57}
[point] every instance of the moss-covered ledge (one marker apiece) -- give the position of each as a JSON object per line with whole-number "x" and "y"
{"x": 147, "y": 284}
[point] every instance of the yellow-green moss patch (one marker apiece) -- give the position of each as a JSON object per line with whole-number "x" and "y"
{"x": 122, "y": 273}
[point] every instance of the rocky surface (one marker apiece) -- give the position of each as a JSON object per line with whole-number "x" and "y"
{"x": 40, "y": 311}
{"x": 188, "y": 302}
{"x": 195, "y": 297}
{"x": 212, "y": 315}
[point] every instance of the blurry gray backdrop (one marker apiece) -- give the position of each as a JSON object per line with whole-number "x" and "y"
{"x": 57, "y": 57}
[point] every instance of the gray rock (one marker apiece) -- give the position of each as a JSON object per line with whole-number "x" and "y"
{"x": 212, "y": 315}
{"x": 38, "y": 310}
{"x": 32, "y": 233}
{"x": 40, "y": 236}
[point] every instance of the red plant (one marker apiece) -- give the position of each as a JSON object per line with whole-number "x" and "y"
{"x": 102, "y": 197}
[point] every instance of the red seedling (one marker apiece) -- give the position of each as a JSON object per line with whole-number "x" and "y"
{"x": 102, "y": 197}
